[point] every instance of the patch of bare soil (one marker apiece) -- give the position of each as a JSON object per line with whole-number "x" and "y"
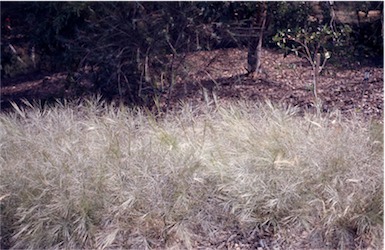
{"x": 34, "y": 86}
{"x": 282, "y": 80}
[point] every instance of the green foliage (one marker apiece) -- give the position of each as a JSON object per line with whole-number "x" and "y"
{"x": 354, "y": 37}
{"x": 286, "y": 15}
{"x": 366, "y": 37}
{"x": 131, "y": 44}
{"x": 48, "y": 27}
{"x": 307, "y": 42}
{"x": 289, "y": 15}
{"x": 124, "y": 41}
{"x": 313, "y": 43}
{"x": 52, "y": 26}
{"x": 13, "y": 64}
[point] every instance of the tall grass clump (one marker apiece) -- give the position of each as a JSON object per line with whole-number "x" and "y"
{"x": 92, "y": 175}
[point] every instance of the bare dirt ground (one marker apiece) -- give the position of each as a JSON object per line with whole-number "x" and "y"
{"x": 285, "y": 80}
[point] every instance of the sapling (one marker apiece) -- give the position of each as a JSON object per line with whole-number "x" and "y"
{"x": 310, "y": 44}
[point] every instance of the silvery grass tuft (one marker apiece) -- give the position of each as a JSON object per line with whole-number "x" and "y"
{"x": 97, "y": 175}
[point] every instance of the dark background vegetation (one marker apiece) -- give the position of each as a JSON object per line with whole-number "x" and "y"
{"x": 110, "y": 47}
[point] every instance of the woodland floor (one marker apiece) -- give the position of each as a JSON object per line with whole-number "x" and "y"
{"x": 283, "y": 80}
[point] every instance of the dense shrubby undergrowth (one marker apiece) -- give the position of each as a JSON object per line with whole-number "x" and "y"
{"x": 92, "y": 175}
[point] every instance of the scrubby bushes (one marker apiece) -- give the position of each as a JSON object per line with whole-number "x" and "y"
{"x": 92, "y": 175}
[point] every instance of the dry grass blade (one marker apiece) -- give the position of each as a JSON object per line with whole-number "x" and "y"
{"x": 92, "y": 175}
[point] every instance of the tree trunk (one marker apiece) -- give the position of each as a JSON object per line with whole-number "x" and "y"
{"x": 255, "y": 44}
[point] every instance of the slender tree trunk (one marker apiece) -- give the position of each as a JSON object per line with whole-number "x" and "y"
{"x": 255, "y": 45}
{"x": 260, "y": 39}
